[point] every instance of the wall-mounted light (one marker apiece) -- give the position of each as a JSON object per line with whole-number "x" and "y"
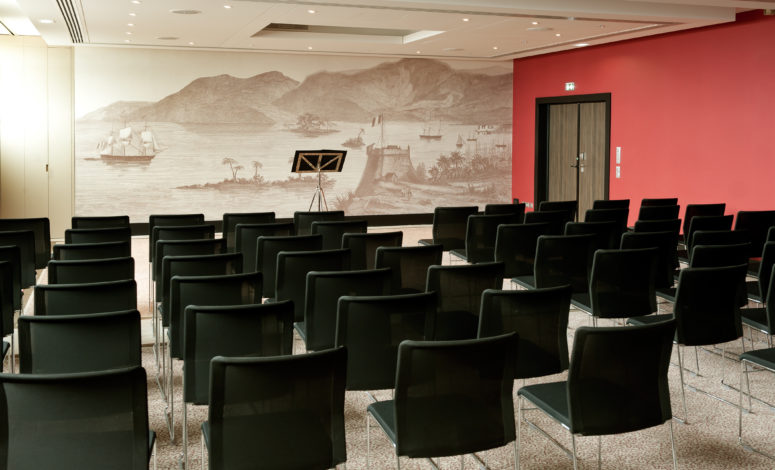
{"x": 570, "y": 86}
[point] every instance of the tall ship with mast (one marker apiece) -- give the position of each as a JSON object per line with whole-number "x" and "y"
{"x": 129, "y": 144}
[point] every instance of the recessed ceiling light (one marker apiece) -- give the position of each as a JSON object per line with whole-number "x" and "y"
{"x": 557, "y": 34}
{"x": 534, "y": 22}
{"x": 465, "y": 19}
{"x": 130, "y": 24}
{"x": 190, "y": 43}
{"x": 418, "y": 52}
{"x": 227, "y": 6}
{"x": 46, "y": 21}
{"x": 129, "y": 32}
{"x": 137, "y": 2}
{"x": 133, "y": 14}
{"x": 127, "y": 40}
{"x": 309, "y": 48}
{"x": 186, "y": 12}
{"x": 495, "y": 48}
{"x": 311, "y": 12}
{"x": 582, "y": 44}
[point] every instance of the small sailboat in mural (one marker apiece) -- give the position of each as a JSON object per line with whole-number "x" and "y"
{"x": 459, "y": 142}
{"x": 428, "y": 133}
{"x": 485, "y": 129}
{"x": 129, "y": 144}
{"x": 354, "y": 142}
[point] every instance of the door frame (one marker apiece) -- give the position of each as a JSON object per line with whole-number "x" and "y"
{"x": 541, "y": 173}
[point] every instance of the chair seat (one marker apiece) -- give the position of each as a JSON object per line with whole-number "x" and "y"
{"x": 753, "y": 267}
{"x": 384, "y": 413}
{"x": 460, "y": 253}
{"x": 649, "y": 319}
{"x": 761, "y": 357}
{"x": 425, "y": 241}
{"x": 528, "y": 282}
{"x": 752, "y": 287}
{"x": 667, "y": 293}
{"x": 301, "y": 328}
{"x": 755, "y": 318}
{"x": 582, "y": 301}
{"x": 552, "y": 398}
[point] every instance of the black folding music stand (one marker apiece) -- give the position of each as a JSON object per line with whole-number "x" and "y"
{"x": 318, "y": 161}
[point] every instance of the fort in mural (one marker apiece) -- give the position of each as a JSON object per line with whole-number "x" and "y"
{"x": 224, "y": 144}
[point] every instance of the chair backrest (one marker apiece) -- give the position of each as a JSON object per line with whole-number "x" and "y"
{"x": 707, "y": 305}
{"x": 622, "y": 282}
{"x": 756, "y": 223}
{"x": 515, "y": 247}
{"x": 333, "y": 230}
{"x": 768, "y": 260}
{"x": 694, "y": 210}
{"x": 6, "y": 297}
{"x": 25, "y": 240}
{"x": 664, "y": 201}
{"x": 771, "y": 234}
{"x": 247, "y": 234}
{"x": 363, "y": 246}
{"x": 79, "y": 343}
{"x": 571, "y": 207}
{"x": 720, "y": 237}
{"x": 706, "y": 222}
{"x": 460, "y": 389}
{"x": 107, "y": 407}
{"x": 606, "y": 234}
{"x": 770, "y": 302}
{"x": 82, "y": 251}
{"x": 539, "y": 317}
{"x": 664, "y": 243}
{"x": 268, "y": 247}
{"x": 564, "y": 259}
{"x": 180, "y": 232}
{"x": 105, "y": 221}
{"x": 11, "y": 254}
{"x": 218, "y": 290}
{"x": 658, "y": 212}
{"x": 322, "y": 298}
{"x": 662, "y": 225}
{"x": 617, "y": 381}
{"x": 611, "y": 204}
{"x": 449, "y": 225}
{"x": 618, "y": 215}
{"x": 302, "y": 220}
{"x": 709, "y": 256}
{"x": 159, "y": 220}
{"x": 205, "y": 246}
{"x": 93, "y": 297}
{"x": 516, "y": 210}
{"x": 303, "y": 430}
{"x": 92, "y": 270}
{"x": 372, "y": 327}
{"x": 408, "y": 265}
{"x": 193, "y": 265}
{"x": 555, "y": 219}
{"x": 292, "y": 269}
{"x": 40, "y": 226}
{"x": 231, "y": 219}
{"x": 232, "y": 331}
{"x": 459, "y": 289}
{"x": 481, "y": 231}
{"x": 98, "y": 235}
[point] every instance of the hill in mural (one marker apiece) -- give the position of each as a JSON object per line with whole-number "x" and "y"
{"x": 118, "y": 111}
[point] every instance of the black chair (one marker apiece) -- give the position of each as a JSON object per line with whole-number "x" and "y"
{"x": 560, "y": 260}
{"x": 449, "y": 226}
{"x": 79, "y": 343}
{"x": 302, "y": 221}
{"x": 333, "y": 230}
{"x": 709, "y": 256}
{"x": 93, "y": 297}
{"x": 12, "y": 256}
{"x": 762, "y": 318}
{"x": 232, "y": 331}
{"x": 619, "y": 216}
{"x": 481, "y": 231}
{"x": 7, "y": 299}
{"x": 206, "y": 246}
{"x": 515, "y": 247}
{"x": 706, "y": 310}
{"x": 318, "y": 330}
{"x": 720, "y": 237}
{"x": 612, "y": 204}
{"x": 181, "y": 232}
{"x": 268, "y": 247}
{"x": 658, "y": 212}
{"x": 516, "y": 210}
{"x": 459, "y": 290}
{"x": 292, "y": 269}
{"x": 555, "y": 219}
{"x": 83, "y": 420}
{"x": 757, "y": 289}
{"x": 621, "y": 284}
{"x": 92, "y": 270}
{"x": 663, "y": 225}
{"x": 371, "y": 328}
{"x": 83, "y": 251}
{"x": 753, "y": 263}
{"x": 408, "y": 266}
{"x": 363, "y": 246}
{"x": 664, "y": 243}
{"x": 701, "y": 210}
{"x": 248, "y": 424}
{"x": 665, "y": 201}
{"x": 617, "y": 383}
{"x": 105, "y": 221}
{"x": 703, "y": 222}
{"x": 25, "y": 241}
{"x": 247, "y": 235}
{"x": 40, "y": 226}
{"x": 232, "y": 219}
{"x": 539, "y": 317}
{"x": 159, "y": 220}
{"x": 451, "y": 398}
{"x": 98, "y": 235}
{"x": 761, "y": 359}
{"x": 570, "y": 207}
{"x": 606, "y": 234}
{"x": 756, "y": 223}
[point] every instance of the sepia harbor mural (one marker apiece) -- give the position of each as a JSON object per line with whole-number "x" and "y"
{"x": 419, "y": 133}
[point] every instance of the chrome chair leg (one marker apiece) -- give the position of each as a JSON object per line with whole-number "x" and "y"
{"x": 575, "y": 459}
{"x": 672, "y": 444}
{"x": 683, "y": 387}
{"x": 185, "y": 436}
{"x": 368, "y": 463}
{"x": 519, "y": 433}
{"x": 599, "y": 448}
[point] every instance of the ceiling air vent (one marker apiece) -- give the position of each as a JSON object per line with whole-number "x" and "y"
{"x": 71, "y": 19}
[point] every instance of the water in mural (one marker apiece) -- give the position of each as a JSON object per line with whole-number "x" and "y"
{"x": 418, "y": 134}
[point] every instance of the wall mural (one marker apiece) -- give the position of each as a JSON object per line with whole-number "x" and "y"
{"x": 171, "y": 132}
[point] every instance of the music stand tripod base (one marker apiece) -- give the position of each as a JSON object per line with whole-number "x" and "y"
{"x": 318, "y": 161}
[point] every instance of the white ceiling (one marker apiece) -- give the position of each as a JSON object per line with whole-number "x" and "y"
{"x": 462, "y": 29}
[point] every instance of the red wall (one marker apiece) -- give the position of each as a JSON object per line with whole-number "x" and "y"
{"x": 693, "y": 111}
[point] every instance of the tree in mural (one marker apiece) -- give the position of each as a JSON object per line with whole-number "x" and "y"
{"x": 233, "y": 166}
{"x": 256, "y": 166}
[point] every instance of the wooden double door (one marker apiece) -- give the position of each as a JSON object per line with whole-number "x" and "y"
{"x": 573, "y": 148}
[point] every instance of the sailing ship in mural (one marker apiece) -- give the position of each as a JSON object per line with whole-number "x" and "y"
{"x": 129, "y": 144}
{"x": 429, "y": 133}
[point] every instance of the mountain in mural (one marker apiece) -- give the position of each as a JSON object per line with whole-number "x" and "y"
{"x": 118, "y": 111}
{"x": 406, "y": 89}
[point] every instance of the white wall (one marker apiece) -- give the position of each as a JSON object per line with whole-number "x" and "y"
{"x": 36, "y": 131}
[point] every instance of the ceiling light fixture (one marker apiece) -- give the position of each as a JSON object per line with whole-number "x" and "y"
{"x": 46, "y": 21}
{"x": 582, "y": 44}
{"x": 137, "y": 2}
{"x": 227, "y": 7}
{"x": 495, "y": 48}
{"x": 557, "y": 34}
{"x": 129, "y": 32}
{"x": 127, "y": 40}
{"x": 418, "y": 52}
{"x": 465, "y": 19}
{"x": 132, "y": 14}
{"x": 309, "y": 48}
{"x": 190, "y": 43}
{"x": 311, "y": 12}
{"x": 130, "y": 24}
{"x": 534, "y": 23}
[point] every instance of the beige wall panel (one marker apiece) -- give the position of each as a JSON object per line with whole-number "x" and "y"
{"x": 35, "y": 120}
{"x": 11, "y": 128}
{"x": 60, "y": 139}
